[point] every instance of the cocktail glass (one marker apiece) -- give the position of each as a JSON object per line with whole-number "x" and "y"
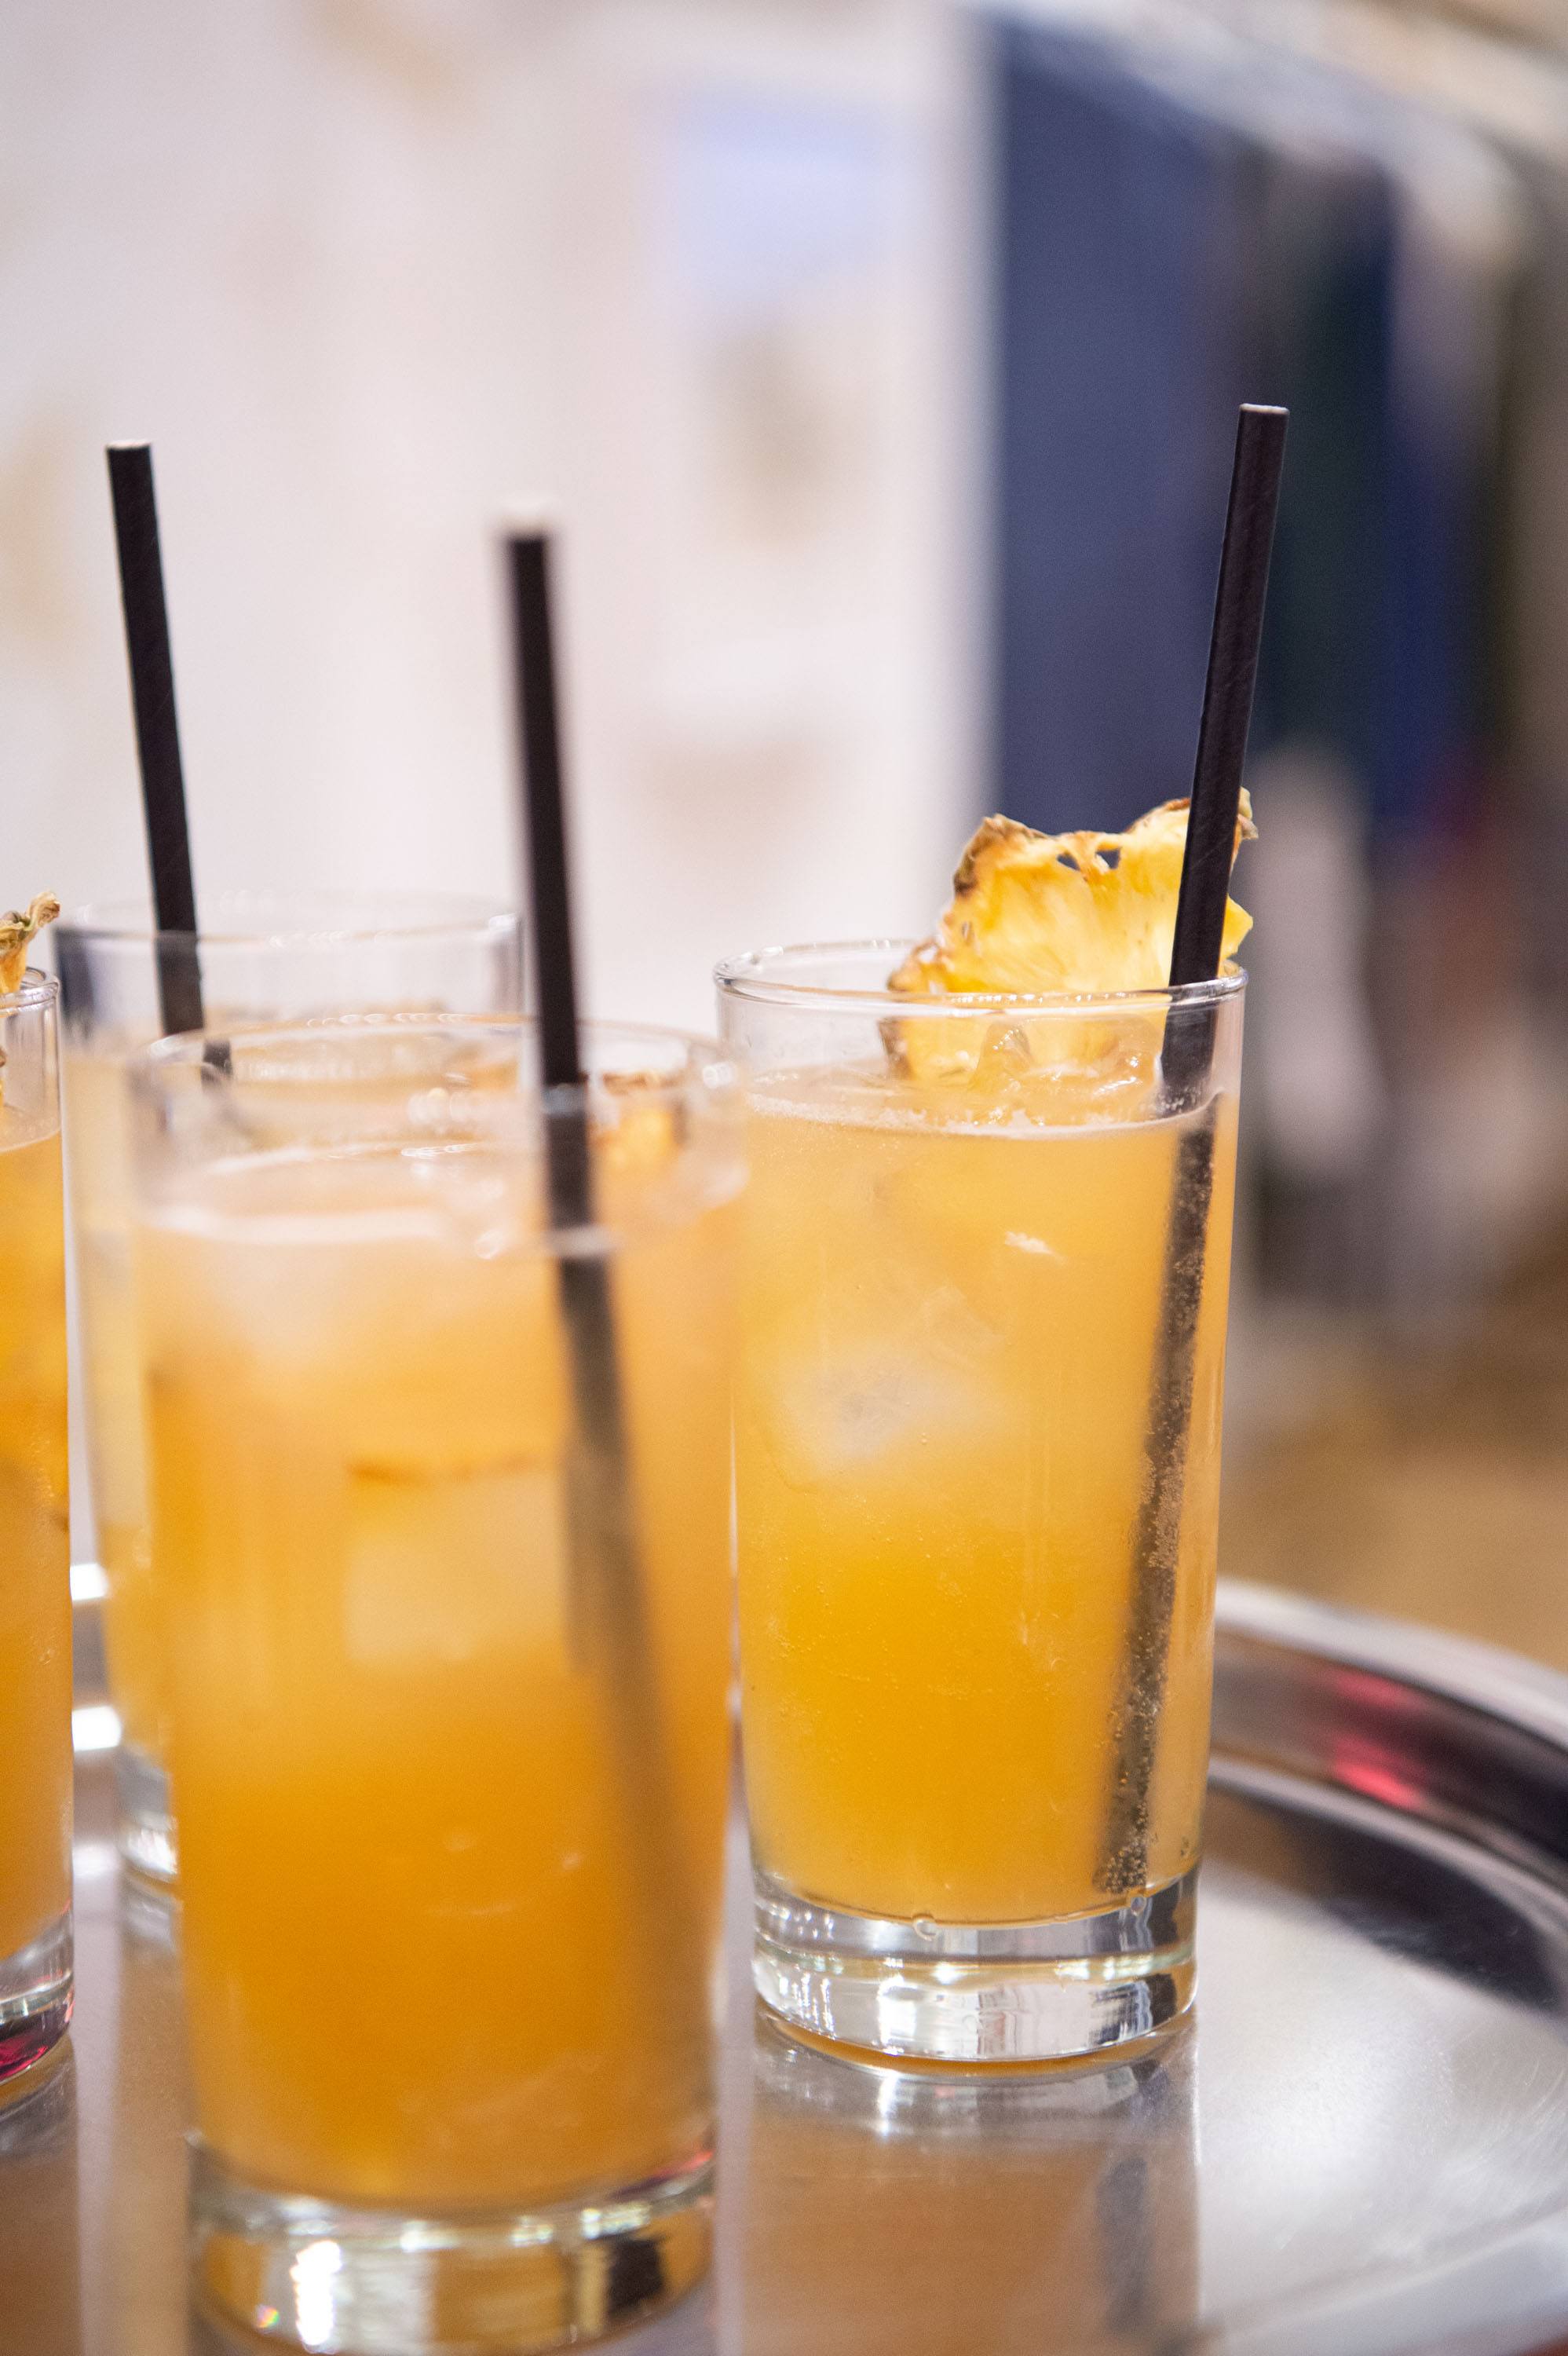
{"x": 35, "y": 1549}
{"x": 977, "y": 1456}
{"x": 281, "y": 959}
{"x": 451, "y": 1768}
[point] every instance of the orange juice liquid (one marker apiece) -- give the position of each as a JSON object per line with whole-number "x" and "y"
{"x": 421, "y": 1958}
{"x": 35, "y": 1546}
{"x": 950, "y": 1330}
{"x": 98, "y": 1123}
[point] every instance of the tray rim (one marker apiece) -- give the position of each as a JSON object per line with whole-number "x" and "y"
{"x": 1500, "y": 1684}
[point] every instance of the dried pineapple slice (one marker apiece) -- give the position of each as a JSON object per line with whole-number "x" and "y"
{"x": 16, "y": 931}
{"x": 1064, "y": 913}
{"x": 647, "y": 1126}
{"x": 1048, "y": 916}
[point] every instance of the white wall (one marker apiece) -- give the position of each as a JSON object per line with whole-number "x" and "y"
{"x": 363, "y": 270}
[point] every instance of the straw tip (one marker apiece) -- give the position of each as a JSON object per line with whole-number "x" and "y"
{"x": 127, "y": 449}
{"x": 1264, "y": 409}
{"x": 530, "y": 520}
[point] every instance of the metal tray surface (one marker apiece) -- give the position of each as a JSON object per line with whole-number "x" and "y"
{"x": 1358, "y": 2148}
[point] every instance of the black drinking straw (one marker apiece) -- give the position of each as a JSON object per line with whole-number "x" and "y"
{"x": 157, "y": 734}
{"x": 1184, "y": 1073}
{"x": 606, "y": 1601}
{"x": 585, "y": 1290}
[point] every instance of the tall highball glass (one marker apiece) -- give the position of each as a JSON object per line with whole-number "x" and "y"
{"x": 260, "y": 959}
{"x": 987, "y": 1259}
{"x": 440, "y": 1505}
{"x": 34, "y": 1549}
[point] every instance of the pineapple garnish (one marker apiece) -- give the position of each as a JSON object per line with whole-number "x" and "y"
{"x": 16, "y": 931}
{"x": 1065, "y": 916}
{"x": 647, "y": 1126}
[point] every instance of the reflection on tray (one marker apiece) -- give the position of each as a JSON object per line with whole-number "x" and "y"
{"x": 1061, "y": 2209}
{"x": 40, "y": 2301}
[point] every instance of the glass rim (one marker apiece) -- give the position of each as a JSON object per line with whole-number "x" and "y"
{"x": 410, "y": 916}
{"x": 750, "y": 977}
{"x": 706, "y": 1063}
{"x": 37, "y": 990}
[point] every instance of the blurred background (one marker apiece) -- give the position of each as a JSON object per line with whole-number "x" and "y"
{"x": 880, "y": 359}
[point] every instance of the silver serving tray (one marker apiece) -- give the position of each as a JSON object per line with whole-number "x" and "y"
{"x": 1359, "y": 2148}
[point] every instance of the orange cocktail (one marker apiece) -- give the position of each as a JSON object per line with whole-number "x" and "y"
{"x": 97, "y": 1116}
{"x": 283, "y": 957}
{"x": 451, "y": 1851}
{"x": 35, "y": 1550}
{"x": 978, "y": 1451}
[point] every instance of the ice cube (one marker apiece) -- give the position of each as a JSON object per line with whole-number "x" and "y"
{"x": 840, "y": 1419}
{"x": 896, "y": 1360}
{"x": 455, "y": 1564}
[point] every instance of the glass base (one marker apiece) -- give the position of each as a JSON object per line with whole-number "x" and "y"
{"x": 981, "y": 1993}
{"x": 314, "y": 2273}
{"x": 146, "y": 1826}
{"x": 35, "y": 2006}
